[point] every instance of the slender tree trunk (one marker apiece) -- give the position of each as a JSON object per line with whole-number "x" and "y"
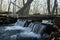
{"x": 23, "y": 2}
{"x": 9, "y": 6}
{"x": 1, "y": 5}
{"x": 54, "y": 7}
{"x": 57, "y": 8}
{"x": 14, "y": 8}
{"x": 48, "y": 6}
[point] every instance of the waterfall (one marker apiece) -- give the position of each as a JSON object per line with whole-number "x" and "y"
{"x": 31, "y": 25}
{"x": 37, "y": 28}
{"x": 25, "y": 29}
{"x": 20, "y": 23}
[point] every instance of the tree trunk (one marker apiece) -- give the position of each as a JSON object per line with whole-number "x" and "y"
{"x": 23, "y": 2}
{"x": 1, "y": 5}
{"x": 54, "y": 7}
{"x": 14, "y": 8}
{"x": 25, "y": 9}
{"x": 48, "y": 6}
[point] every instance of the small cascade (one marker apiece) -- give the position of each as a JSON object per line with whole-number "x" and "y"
{"x": 35, "y": 28}
{"x": 31, "y": 25}
{"x": 38, "y": 28}
{"x": 20, "y": 23}
{"x": 41, "y": 28}
{"x": 25, "y": 30}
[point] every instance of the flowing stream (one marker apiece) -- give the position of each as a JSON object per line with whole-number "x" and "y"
{"x": 23, "y": 30}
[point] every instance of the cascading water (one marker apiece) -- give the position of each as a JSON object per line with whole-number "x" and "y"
{"x": 38, "y": 28}
{"x": 20, "y": 23}
{"x": 31, "y": 25}
{"x": 33, "y": 31}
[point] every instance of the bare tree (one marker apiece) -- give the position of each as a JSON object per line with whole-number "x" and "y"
{"x": 25, "y": 8}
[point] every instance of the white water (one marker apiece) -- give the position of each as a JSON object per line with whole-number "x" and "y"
{"x": 20, "y": 23}
{"x": 30, "y": 34}
{"x": 33, "y": 30}
{"x": 27, "y": 30}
